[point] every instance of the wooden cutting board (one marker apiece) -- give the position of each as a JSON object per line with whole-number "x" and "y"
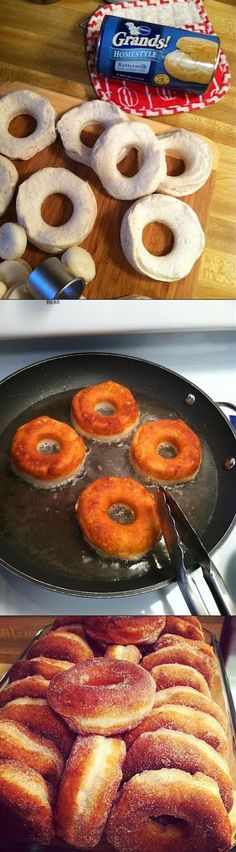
{"x": 114, "y": 277}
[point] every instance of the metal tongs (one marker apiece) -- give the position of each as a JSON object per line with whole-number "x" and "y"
{"x": 177, "y": 529}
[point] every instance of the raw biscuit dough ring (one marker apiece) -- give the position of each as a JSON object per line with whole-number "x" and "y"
{"x": 8, "y": 180}
{"x": 33, "y": 192}
{"x": 27, "y": 103}
{"x": 197, "y": 157}
{"x": 73, "y": 122}
{"x": 188, "y": 235}
{"x": 108, "y": 150}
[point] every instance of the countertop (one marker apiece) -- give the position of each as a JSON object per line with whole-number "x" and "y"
{"x": 44, "y": 45}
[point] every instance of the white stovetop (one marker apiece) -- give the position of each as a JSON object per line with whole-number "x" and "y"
{"x": 209, "y": 360}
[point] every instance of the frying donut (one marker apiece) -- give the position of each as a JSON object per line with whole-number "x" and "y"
{"x": 164, "y": 748}
{"x": 36, "y": 715}
{"x": 61, "y": 644}
{"x": 35, "y": 687}
{"x": 18, "y": 743}
{"x": 105, "y": 534}
{"x": 88, "y": 788}
{"x": 25, "y": 808}
{"x": 187, "y": 625}
{"x": 102, "y": 696}
{"x": 130, "y": 653}
{"x": 175, "y": 674}
{"x": 183, "y": 655}
{"x": 43, "y": 666}
{"x": 107, "y": 411}
{"x": 191, "y": 698}
{"x": 107, "y": 152}
{"x": 110, "y": 629}
{"x": 30, "y": 103}
{"x": 34, "y": 191}
{"x": 175, "y": 718}
{"x": 168, "y": 639}
{"x": 194, "y": 801}
{"x": 152, "y": 437}
{"x": 182, "y": 221}
{"x": 8, "y": 180}
{"x": 46, "y": 452}
{"x": 197, "y": 158}
{"x": 73, "y": 122}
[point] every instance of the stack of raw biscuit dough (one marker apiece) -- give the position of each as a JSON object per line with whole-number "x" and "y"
{"x": 110, "y": 739}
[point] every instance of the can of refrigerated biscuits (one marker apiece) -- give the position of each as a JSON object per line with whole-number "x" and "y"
{"x": 156, "y": 54}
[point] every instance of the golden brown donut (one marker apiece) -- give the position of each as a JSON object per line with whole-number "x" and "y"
{"x": 25, "y": 809}
{"x": 64, "y": 458}
{"x": 184, "y": 655}
{"x": 67, "y": 620}
{"x": 36, "y": 715}
{"x": 164, "y": 748}
{"x": 168, "y": 639}
{"x": 102, "y": 696}
{"x": 185, "y": 625}
{"x": 154, "y": 435}
{"x": 124, "y": 629}
{"x": 43, "y": 666}
{"x": 35, "y": 686}
{"x": 191, "y": 698}
{"x": 176, "y": 718}
{"x": 88, "y": 788}
{"x": 174, "y": 674}
{"x": 17, "y": 742}
{"x": 61, "y": 644}
{"x": 130, "y": 653}
{"x": 89, "y": 409}
{"x": 194, "y": 801}
{"x": 106, "y": 535}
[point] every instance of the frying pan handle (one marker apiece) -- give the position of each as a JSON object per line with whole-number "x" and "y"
{"x": 226, "y": 405}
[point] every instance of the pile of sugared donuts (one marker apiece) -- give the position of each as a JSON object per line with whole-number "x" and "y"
{"x": 48, "y": 453}
{"x": 110, "y": 739}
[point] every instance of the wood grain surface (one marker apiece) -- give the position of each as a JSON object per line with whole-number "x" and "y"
{"x": 114, "y": 275}
{"x": 44, "y": 46}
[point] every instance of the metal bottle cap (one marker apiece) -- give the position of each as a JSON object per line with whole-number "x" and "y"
{"x": 52, "y": 280}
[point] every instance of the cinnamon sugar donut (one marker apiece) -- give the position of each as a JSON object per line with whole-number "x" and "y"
{"x": 125, "y": 629}
{"x": 43, "y": 666}
{"x": 191, "y": 698}
{"x": 61, "y": 644}
{"x": 195, "y": 722}
{"x": 36, "y": 715}
{"x": 182, "y": 654}
{"x": 175, "y": 674}
{"x": 88, "y": 788}
{"x": 25, "y": 808}
{"x": 35, "y": 687}
{"x": 164, "y": 748}
{"x": 130, "y": 653}
{"x": 168, "y": 639}
{"x": 102, "y": 696}
{"x": 46, "y": 452}
{"x": 105, "y": 534}
{"x": 186, "y": 625}
{"x": 152, "y": 437}
{"x": 18, "y": 743}
{"x": 107, "y": 411}
{"x": 194, "y": 801}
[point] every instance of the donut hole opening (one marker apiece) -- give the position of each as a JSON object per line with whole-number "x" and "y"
{"x": 48, "y": 447}
{"x": 174, "y": 165}
{"x": 57, "y": 209}
{"x": 167, "y": 451}
{"x": 22, "y": 125}
{"x": 167, "y": 820}
{"x": 130, "y": 165}
{"x": 157, "y": 239}
{"x": 90, "y": 134}
{"x": 121, "y": 513}
{"x": 106, "y": 409}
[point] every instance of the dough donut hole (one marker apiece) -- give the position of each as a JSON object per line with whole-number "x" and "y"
{"x": 167, "y": 451}
{"x": 47, "y": 452}
{"x": 106, "y": 411}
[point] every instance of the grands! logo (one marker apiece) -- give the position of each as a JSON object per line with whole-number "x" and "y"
{"x": 139, "y": 37}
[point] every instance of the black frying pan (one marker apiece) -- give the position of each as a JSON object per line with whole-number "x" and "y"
{"x": 40, "y": 539}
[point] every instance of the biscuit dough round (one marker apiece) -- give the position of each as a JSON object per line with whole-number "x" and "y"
{"x": 13, "y": 272}
{"x": 28, "y": 103}
{"x": 181, "y": 66}
{"x": 33, "y": 192}
{"x": 197, "y": 157}
{"x": 13, "y": 241}
{"x": 80, "y": 262}
{"x": 188, "y": 235}
{"x": 8, "y": 180}
{"x": 73, "y": 122}
{"x": 107, "y": 153}
{"x": 198, "y": 48}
